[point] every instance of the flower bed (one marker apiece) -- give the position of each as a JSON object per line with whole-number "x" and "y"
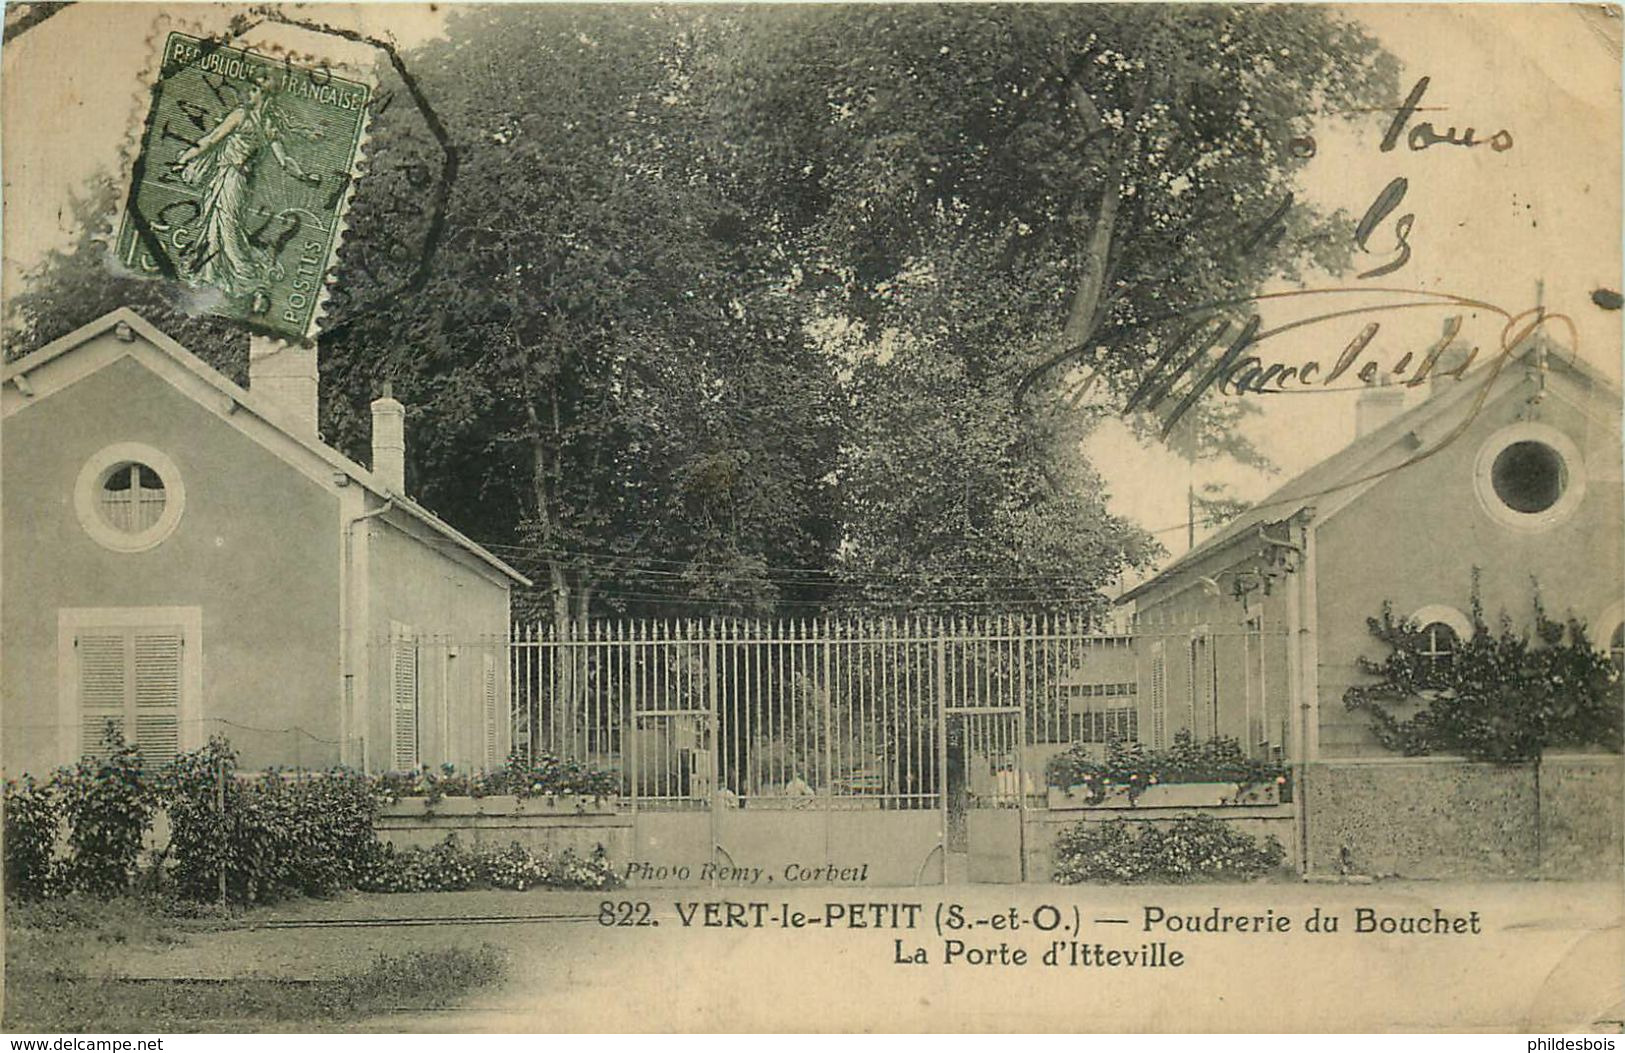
{"x": 449, "y": 867}
{"x": 261, "y": 837}
{"x": 1186, "y": 775}
{"x": 500, "y": 805}
{"x": 544, "y": 777}
{"x": 1189, "y": 849}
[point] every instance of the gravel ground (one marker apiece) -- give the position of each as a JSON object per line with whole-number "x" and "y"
{"x": 1548, "y": 956}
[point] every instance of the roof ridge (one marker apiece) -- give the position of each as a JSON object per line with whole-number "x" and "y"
{"x": 255, "y": 404}
{"x": 1291, "y": 497}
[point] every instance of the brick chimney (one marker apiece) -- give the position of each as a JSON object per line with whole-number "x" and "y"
{"x": 1452, "y": 365}
{"x": 1377, "y": 405}
{"x": 1448, "y": 363}
{"x": 285, "y": 379}
{"x": 389, "y": 442}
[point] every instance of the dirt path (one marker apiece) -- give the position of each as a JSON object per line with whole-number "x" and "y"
{"x": 1546, "y": 956}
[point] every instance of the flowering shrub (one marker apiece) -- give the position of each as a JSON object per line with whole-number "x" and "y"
{"x": 542, "y": 776}
{"x": 1191, "y": 848}
{"x": 568, "y": 870}
{"x": 1131, "y": 765}
{"x": 431, "y": 783}
{"x": 108, "y": 804}
{"x": 275, "y": 836}
{"x": 33, "y": 816}
{"x": 448, "y": 867}
{"x": 547, "y": 776}
{"x": 1501, "y": 697}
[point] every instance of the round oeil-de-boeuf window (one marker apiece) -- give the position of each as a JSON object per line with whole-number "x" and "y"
{"x": 1530, "y": 476}
{"x": 129, "y": 497}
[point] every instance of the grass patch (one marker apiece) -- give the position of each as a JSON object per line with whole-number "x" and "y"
{"x": 422, "y": 980}
{"x": 54, "y": 981}
{"x": 68, "y": 933}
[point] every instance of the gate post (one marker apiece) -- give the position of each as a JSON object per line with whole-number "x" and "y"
{"x": 1025, "y": 702}
{"x": 942, "y": 741}
{"x": 715, "y": 721}
{"x": 630, "y": 733}
{"x": 825, "y": 645}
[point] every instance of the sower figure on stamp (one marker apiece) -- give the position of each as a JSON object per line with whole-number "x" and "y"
{"x": 225, "y": 160}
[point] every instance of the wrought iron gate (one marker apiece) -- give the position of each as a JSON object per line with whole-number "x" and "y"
{"x": 903, "y": 745}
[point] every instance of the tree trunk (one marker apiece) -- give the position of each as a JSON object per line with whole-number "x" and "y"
{"x": 1089, "y": 294}
{"x": 562, "y": 702}
{"x": 557, "y": 728}
{"x": 1088, "y": 306}
{"x": 575, "y": 740}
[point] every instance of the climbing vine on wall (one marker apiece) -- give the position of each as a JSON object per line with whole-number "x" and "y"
{"x": 1504, "y": 695}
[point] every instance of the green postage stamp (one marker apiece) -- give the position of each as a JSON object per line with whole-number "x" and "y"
{"x": 240, "y": 182}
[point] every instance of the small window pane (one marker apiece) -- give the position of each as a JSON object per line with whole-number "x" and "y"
{"x": 1529, "y": 476}
{"x": 1438, "y": 651}
{"x": 132, "y": 498}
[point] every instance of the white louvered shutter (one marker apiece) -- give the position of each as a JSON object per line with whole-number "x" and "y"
{"x": 130, "y": 680}
{"x": 104, "y": 687}
{"x": 403, "y": 703}
{"x": 488, "y": 684}
{"x": 158, "y": 694}
{"x": 1159, "y": 696}
{"x": 1192, "y": 684}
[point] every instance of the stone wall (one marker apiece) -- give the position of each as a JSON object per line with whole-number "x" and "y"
{"x": 499, "y": 821}
{"x": 1582, "y": 816}
{"x": 1430, "y": 817}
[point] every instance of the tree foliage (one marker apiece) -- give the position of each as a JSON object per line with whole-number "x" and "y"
{"x": 735, "y": 308}
{"x": 988, "y": 204}
{"x": 1018, "y": 181}
{"x": 599, "y": 367}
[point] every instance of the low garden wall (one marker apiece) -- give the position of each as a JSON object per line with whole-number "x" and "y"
{"x": 1260, "y": 821}
{"x": 538, "y": 823}
{"x": 582, "y": 825}
{"x": 1410, "y": 817}
{"x": 1432, "y": 817}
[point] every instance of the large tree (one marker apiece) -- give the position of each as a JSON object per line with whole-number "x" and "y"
{"x": 737, "y": 307}
{"x": 604, "y": 375}
{"x": 987, "y": 203}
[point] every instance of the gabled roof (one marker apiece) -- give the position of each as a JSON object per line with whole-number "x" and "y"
{"x": 17, "y": 372}
{"x": 1350, "y": 466}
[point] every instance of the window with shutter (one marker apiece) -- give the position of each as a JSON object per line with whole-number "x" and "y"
{"x": 403, "y": 700}
{"x": 129, "y": 680}
{"x": 158, "y": 694}
{"x": 104, "y": 678}
{"x": 1159, "y": 695}
{"x": 493, "y": 743}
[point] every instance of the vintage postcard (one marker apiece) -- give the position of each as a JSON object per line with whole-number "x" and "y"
{"x": 844, "y": 518}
